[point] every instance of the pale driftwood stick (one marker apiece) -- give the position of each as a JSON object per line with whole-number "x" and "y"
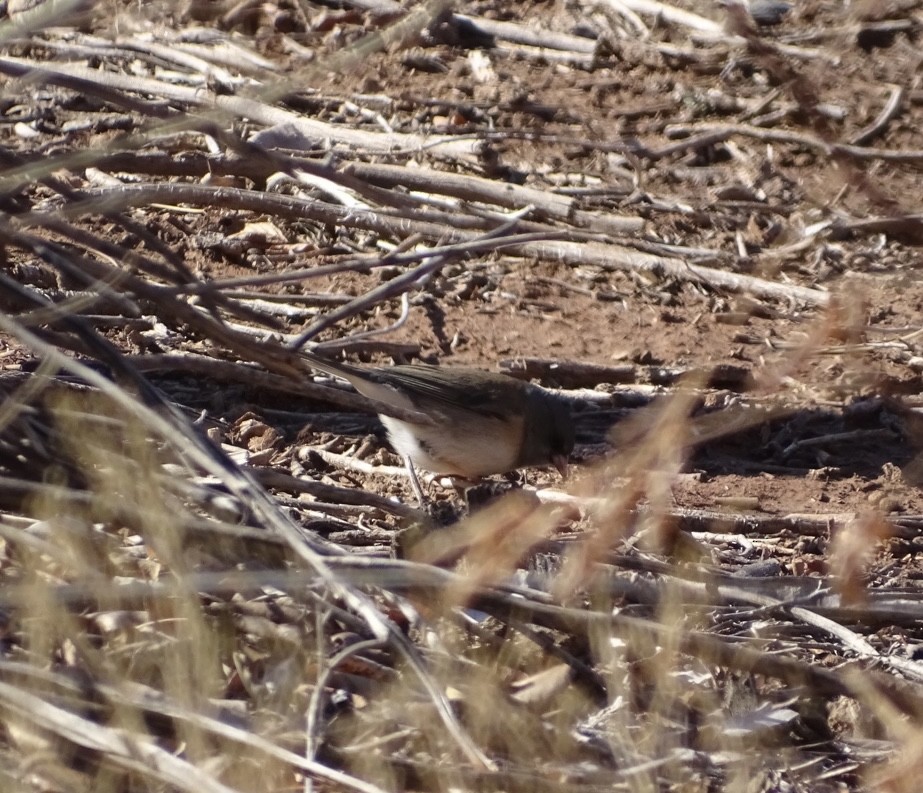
{"x": 613, "y": 9}
{"x": 673, "y": 15}
{"x": 521, "y": 34}
{"x": 490, "y": 191}
{"x": 889, "y": 111}
{"x": 687, "y": 251}
{"x": 702, "y": 520}
{"x": 305, "y": 298}
{"x": 909, "y": 224}
{"x": 260, "y": 168}
{"x": 279, "y": 308}
{"x": 112, "y": 86}
{"x": 834, "y": 112}
{"x": 32, "y": 19}
{"x": 703, "y": 585}
{"x": 522, "y": 52}
{"x": 853, "y": 641}
{"x": 103, "y": 301}
{"x": 717, "y": 537}
{"x": 351, "y": 463}
{"x": 614, "y": 257}
{"x": 435, "y": 226}
{"x": 223, "y": 54}
{"x": 335, "y": 515}
{"x": 717, "y": 132}
{"x": 174, "y": 53}
{"x": 758, "y": 523}
{"x": 607, "y": 257}
{"x": 75, "y": 49}
{"x": 840, "y": 33}
{"x": 228, "y": 53}
{"x": 711, "y": 521}
{"x": 258, "y": 333}
{"x": 852, "y": 436}
{"x": 93, "y": 87}
{"x": 784, "y": 50}
{"x": 280, "y": 480}
{"x": 653, "y": 53}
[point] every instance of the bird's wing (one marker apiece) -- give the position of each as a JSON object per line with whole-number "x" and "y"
{"x": 486, "y": 393}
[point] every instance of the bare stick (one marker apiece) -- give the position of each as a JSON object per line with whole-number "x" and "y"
{"x": 522, "y": 34}
{"x": 397, "y": 286}
{"x": 889, "y": 111}
{"x": 719, "y": 132}
{"x": 673, "y": 15}
{"x": 609, "y": 257}
{"x": 245, "y": 488}
{"x": 116, "y": 745}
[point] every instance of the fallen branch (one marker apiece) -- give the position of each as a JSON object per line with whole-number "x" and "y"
{"x": 607, "y": 257}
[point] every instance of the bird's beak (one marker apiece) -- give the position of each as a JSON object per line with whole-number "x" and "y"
{"x": 559, "y": 461}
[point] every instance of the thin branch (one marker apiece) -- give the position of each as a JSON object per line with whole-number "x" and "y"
{"x": 888, "y": 112}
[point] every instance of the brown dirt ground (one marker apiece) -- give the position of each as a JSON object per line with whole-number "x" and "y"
{"x": 552, "y": 311}
{"x": 556, "y": 126}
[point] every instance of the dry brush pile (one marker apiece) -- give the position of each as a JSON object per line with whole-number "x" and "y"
{"x": 211, "y": 576}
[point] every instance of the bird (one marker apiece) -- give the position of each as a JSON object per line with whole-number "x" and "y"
{"x": 769, "y": 12}
{"x": 472, "y": 423}
{"x": 763, "y": 12}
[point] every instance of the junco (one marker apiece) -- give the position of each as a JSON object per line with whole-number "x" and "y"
{"x": 473, "y": 423}
{"x": 763, "y": 12}
{"x": 769, "y": 12}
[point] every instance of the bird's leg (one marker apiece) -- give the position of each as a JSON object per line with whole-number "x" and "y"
{"x": 415, "y": 483}
{"x": 440, "y": 513}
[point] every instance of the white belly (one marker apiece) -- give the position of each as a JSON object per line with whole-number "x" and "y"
{"x": 456, "y": 453}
